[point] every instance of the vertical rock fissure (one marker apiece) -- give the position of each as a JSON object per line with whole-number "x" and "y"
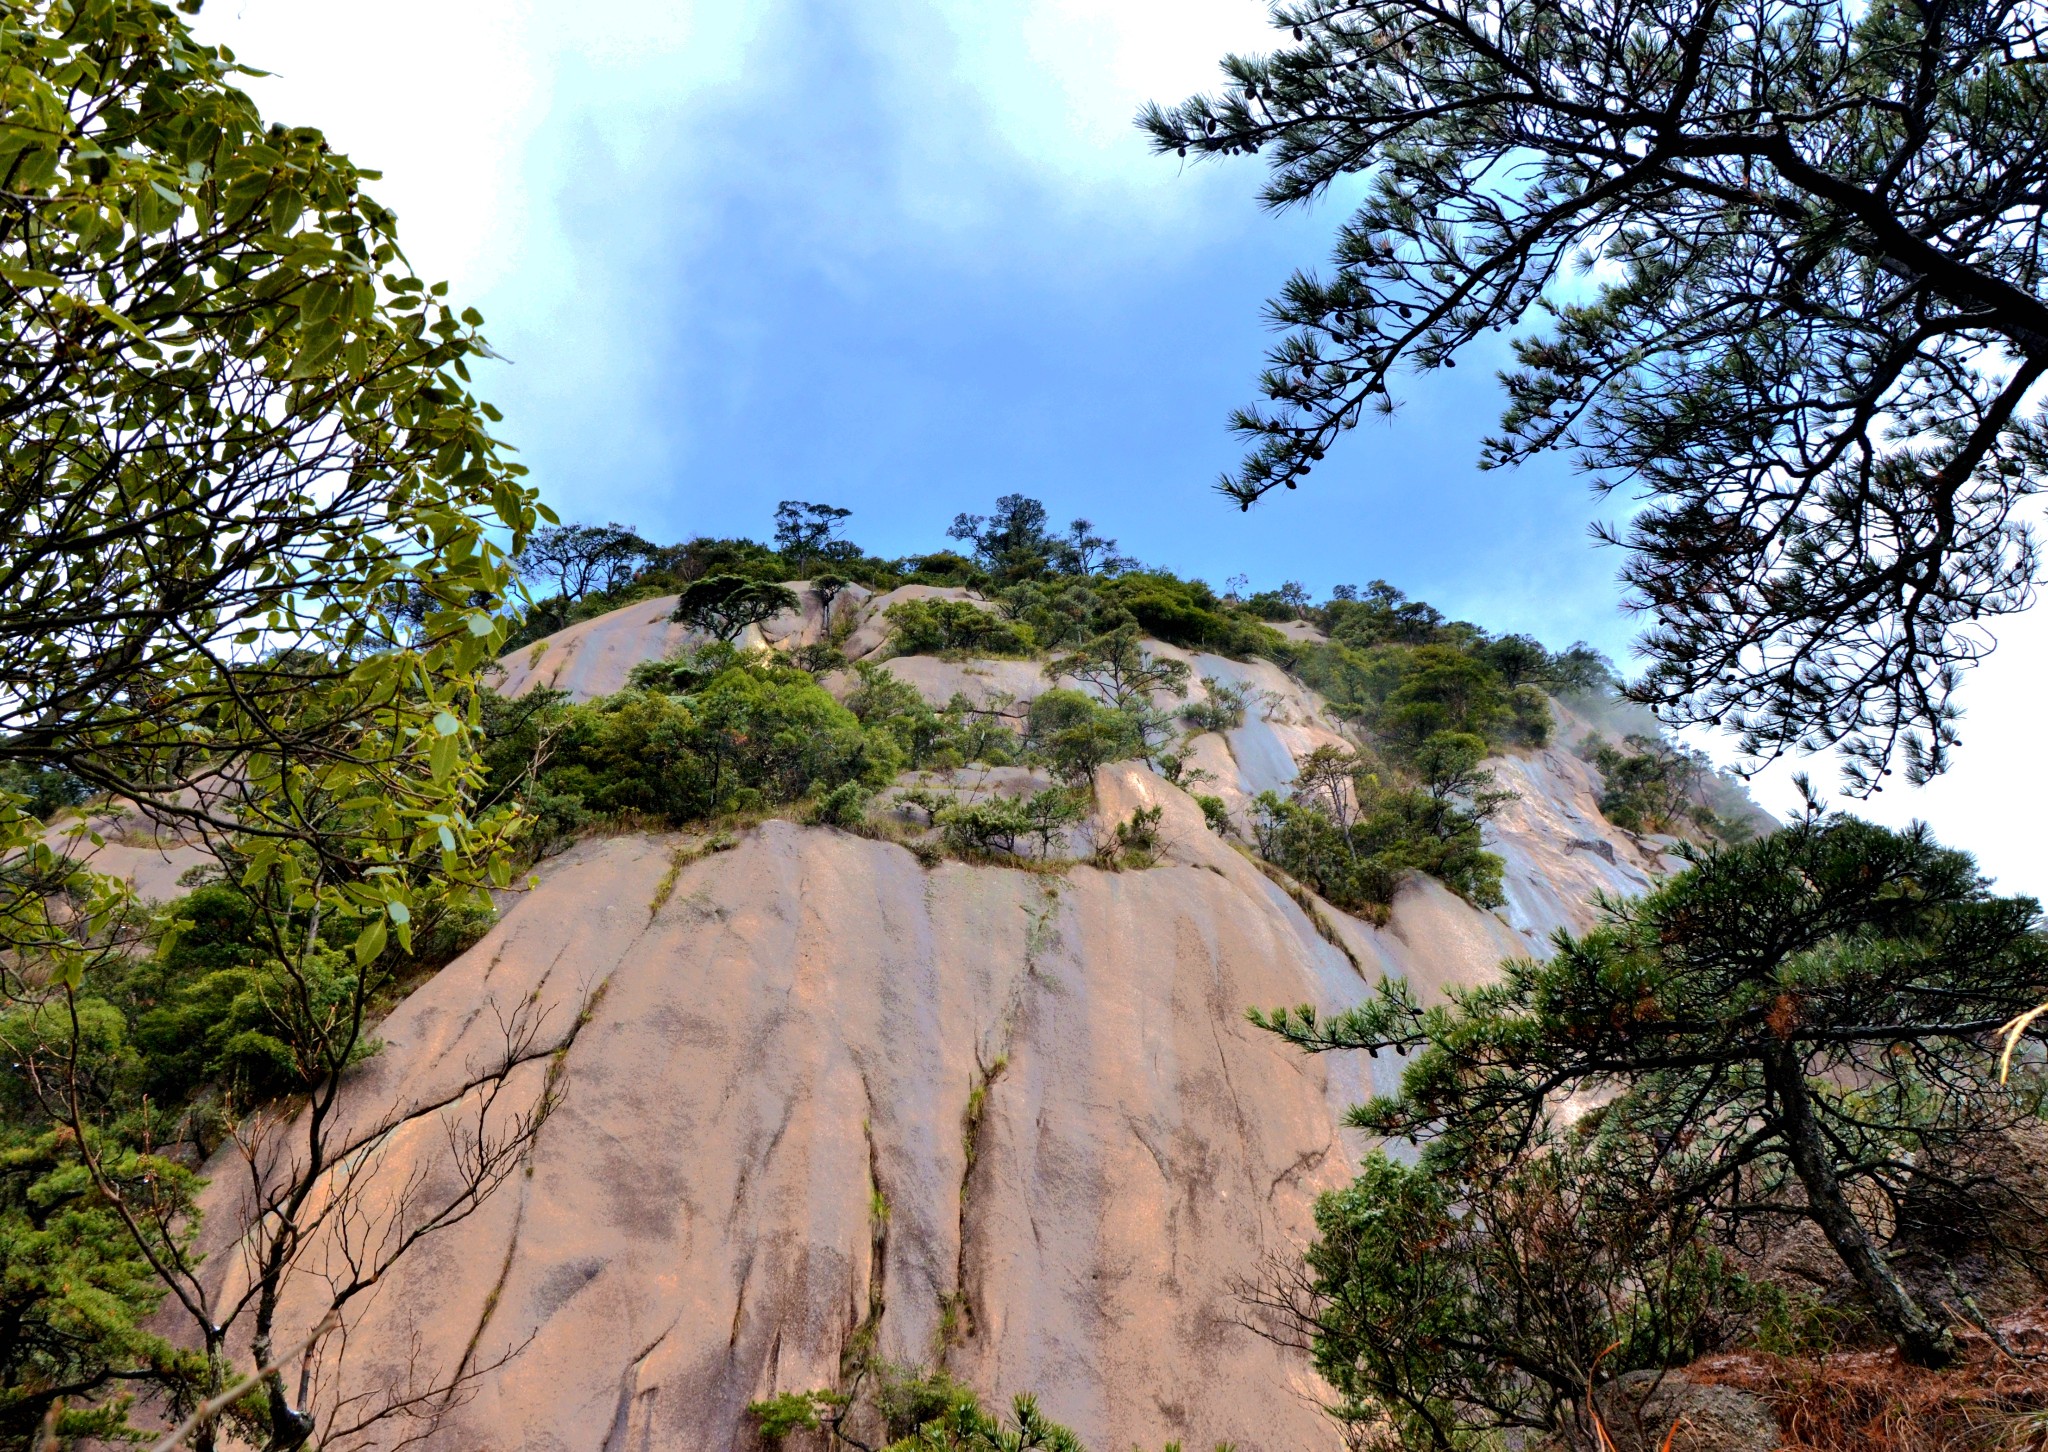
{"x": 629, "y": 1390}
{"x": 858, "y": 1351}
{"x": 957, "y": 1318}
{"x": 490, "y": 1308}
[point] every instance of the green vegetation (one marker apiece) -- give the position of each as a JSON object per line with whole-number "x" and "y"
{"x": 956, "y": 627}
{"x": 1074, "y": 734}
{"x": 712, "y": 734}
{"x": 1121, "y": 672}
{"x": 1796, "y": 1029}
{"x": 1650, "y": 784}
{"x": 1133, "y": 842}
{"x": 1050, "y": 591}
{"x": 1401, "y": 672}
{"x": 1420, "y": 692}
{"x": 1462, "y": 1303}
{"x": 900, "y": 1409}
{"x": 1059, "y": 613}
{"x": 1189, "y": 614}
{"x": 722, "y": 606}
{"x": 998, "y": 824}
{"x": 78, "y": 1286}
{"x": 160, "y": 1055}
{"x": 1352, "y": 828}
{"x": 931, "y": 740}
{"x": 42, "y": 791}
{"x": 788, "y": 1412}
{"x": 1013, "y": 544}
{"x": 1220, "y": 709}
{"x": 253, "y": 571}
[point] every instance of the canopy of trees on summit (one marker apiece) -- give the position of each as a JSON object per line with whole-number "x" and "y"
{"x": 1785, "y": 261}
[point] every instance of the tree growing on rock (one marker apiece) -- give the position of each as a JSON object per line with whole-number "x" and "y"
{"x": 1799, "y": 1028}
{"x": 826, "y": 587}
{"x": 723, "y": 606}
{"x": 931, "y": 627}
{"x": 1121, "y": 670}
{"x": 1075, "y": 735}
{"x": 807, "y": 533}
{"x": 1014, "y": 544}
{"x": 1354, "y": 825}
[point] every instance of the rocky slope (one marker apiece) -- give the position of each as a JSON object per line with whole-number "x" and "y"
{"x": 822, "y": 1102}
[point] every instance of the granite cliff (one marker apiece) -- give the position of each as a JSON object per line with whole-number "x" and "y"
{"x": 821, "y": 1103}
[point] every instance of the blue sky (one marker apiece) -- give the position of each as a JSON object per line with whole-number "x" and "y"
{"x": 906, "y": 255}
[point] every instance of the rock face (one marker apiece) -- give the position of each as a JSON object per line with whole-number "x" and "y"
{"x": 151, "y": 857}
{"x": 819, "y": 1100}
{"x": 1641, "y": 1408}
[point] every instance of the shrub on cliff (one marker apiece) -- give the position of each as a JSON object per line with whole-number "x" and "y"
{"x": 931, "y": 739}
{"x": 753, "y": 734}
{"x": 1355, "y": 825}
{"x": 1074, "y": 735}
{"x": 938, "y": 627}
{"x": 1189, "y": 614}
{"x": 1652, "y": 785}
{"x": 1121, "y": 670}
{"x": 1060, "y": 613}
{"x": 1007, "y": 824}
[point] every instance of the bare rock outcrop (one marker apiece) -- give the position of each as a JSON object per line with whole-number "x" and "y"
{"x": 765, "y": 1150}
{"x": 823, "y": 1103}
{"x": 1641, "y": 1408}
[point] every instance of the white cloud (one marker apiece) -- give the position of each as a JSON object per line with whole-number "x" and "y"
{"x": 477, "y": 109}
{"x": 463, "y": 104}
{"x": 1062, "y": 79}
{"x": 1990, "y": 802}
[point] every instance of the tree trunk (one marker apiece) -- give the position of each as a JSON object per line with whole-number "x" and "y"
{"x": 289, "y": 1427}
{"x": 1920, "y": 1339}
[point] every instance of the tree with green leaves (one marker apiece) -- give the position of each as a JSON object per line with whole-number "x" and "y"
{"x": 1800, "y": 1028}
{"x": 1118, "y": 667}
{"x": 1075, "y": 735}
{"x": 1648, "y": 784}
{"x": 1474, "y": 1304}
{"x": 1354, "y": 826}
{"x": 1781, "y": 268}
{"x": 237, "y": 433}
{"x": 252, "y": 515}
{"x": 931, "y": 627}
{"x": 582, "y": 559}
{"x": 722, "y": 606}
{"x": 806, "y": 533}
{"x": 1015, "y": 544}
{"x": 826, "y": 586}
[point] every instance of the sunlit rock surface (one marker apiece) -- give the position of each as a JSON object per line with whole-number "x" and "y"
{"x": 765, "y": 1151}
